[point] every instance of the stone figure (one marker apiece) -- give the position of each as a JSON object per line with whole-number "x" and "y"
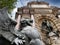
{"x": 46, "y": 29}
{"x": 54, "y": 39}
{"x": 47, "y": 26}
{"x": 31, "y": 32}
{"x": 27, "y": 35}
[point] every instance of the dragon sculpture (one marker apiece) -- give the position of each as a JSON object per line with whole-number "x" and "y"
{"x": 25, "y": 36}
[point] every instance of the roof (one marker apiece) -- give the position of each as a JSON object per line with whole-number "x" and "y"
{"x": 36, "y": 2}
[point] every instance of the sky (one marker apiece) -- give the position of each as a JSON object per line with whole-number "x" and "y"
{"x": 21, "y": 3}
{"x": 51, "y": 2}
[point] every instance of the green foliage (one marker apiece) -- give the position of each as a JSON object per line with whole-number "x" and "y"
{"x": 7, "y": 3}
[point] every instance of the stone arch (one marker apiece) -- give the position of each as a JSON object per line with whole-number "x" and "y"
{"x": 54, "y": 20}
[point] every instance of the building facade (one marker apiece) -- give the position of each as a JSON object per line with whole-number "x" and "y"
{"x": 41, "y": 11}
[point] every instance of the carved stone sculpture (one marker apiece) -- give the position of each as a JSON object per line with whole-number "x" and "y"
{"x": 26, "y": 36}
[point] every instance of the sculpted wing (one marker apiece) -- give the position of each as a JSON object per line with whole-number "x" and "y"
{"x": 5, "y": 21}
{"x": 6, "y": 25}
